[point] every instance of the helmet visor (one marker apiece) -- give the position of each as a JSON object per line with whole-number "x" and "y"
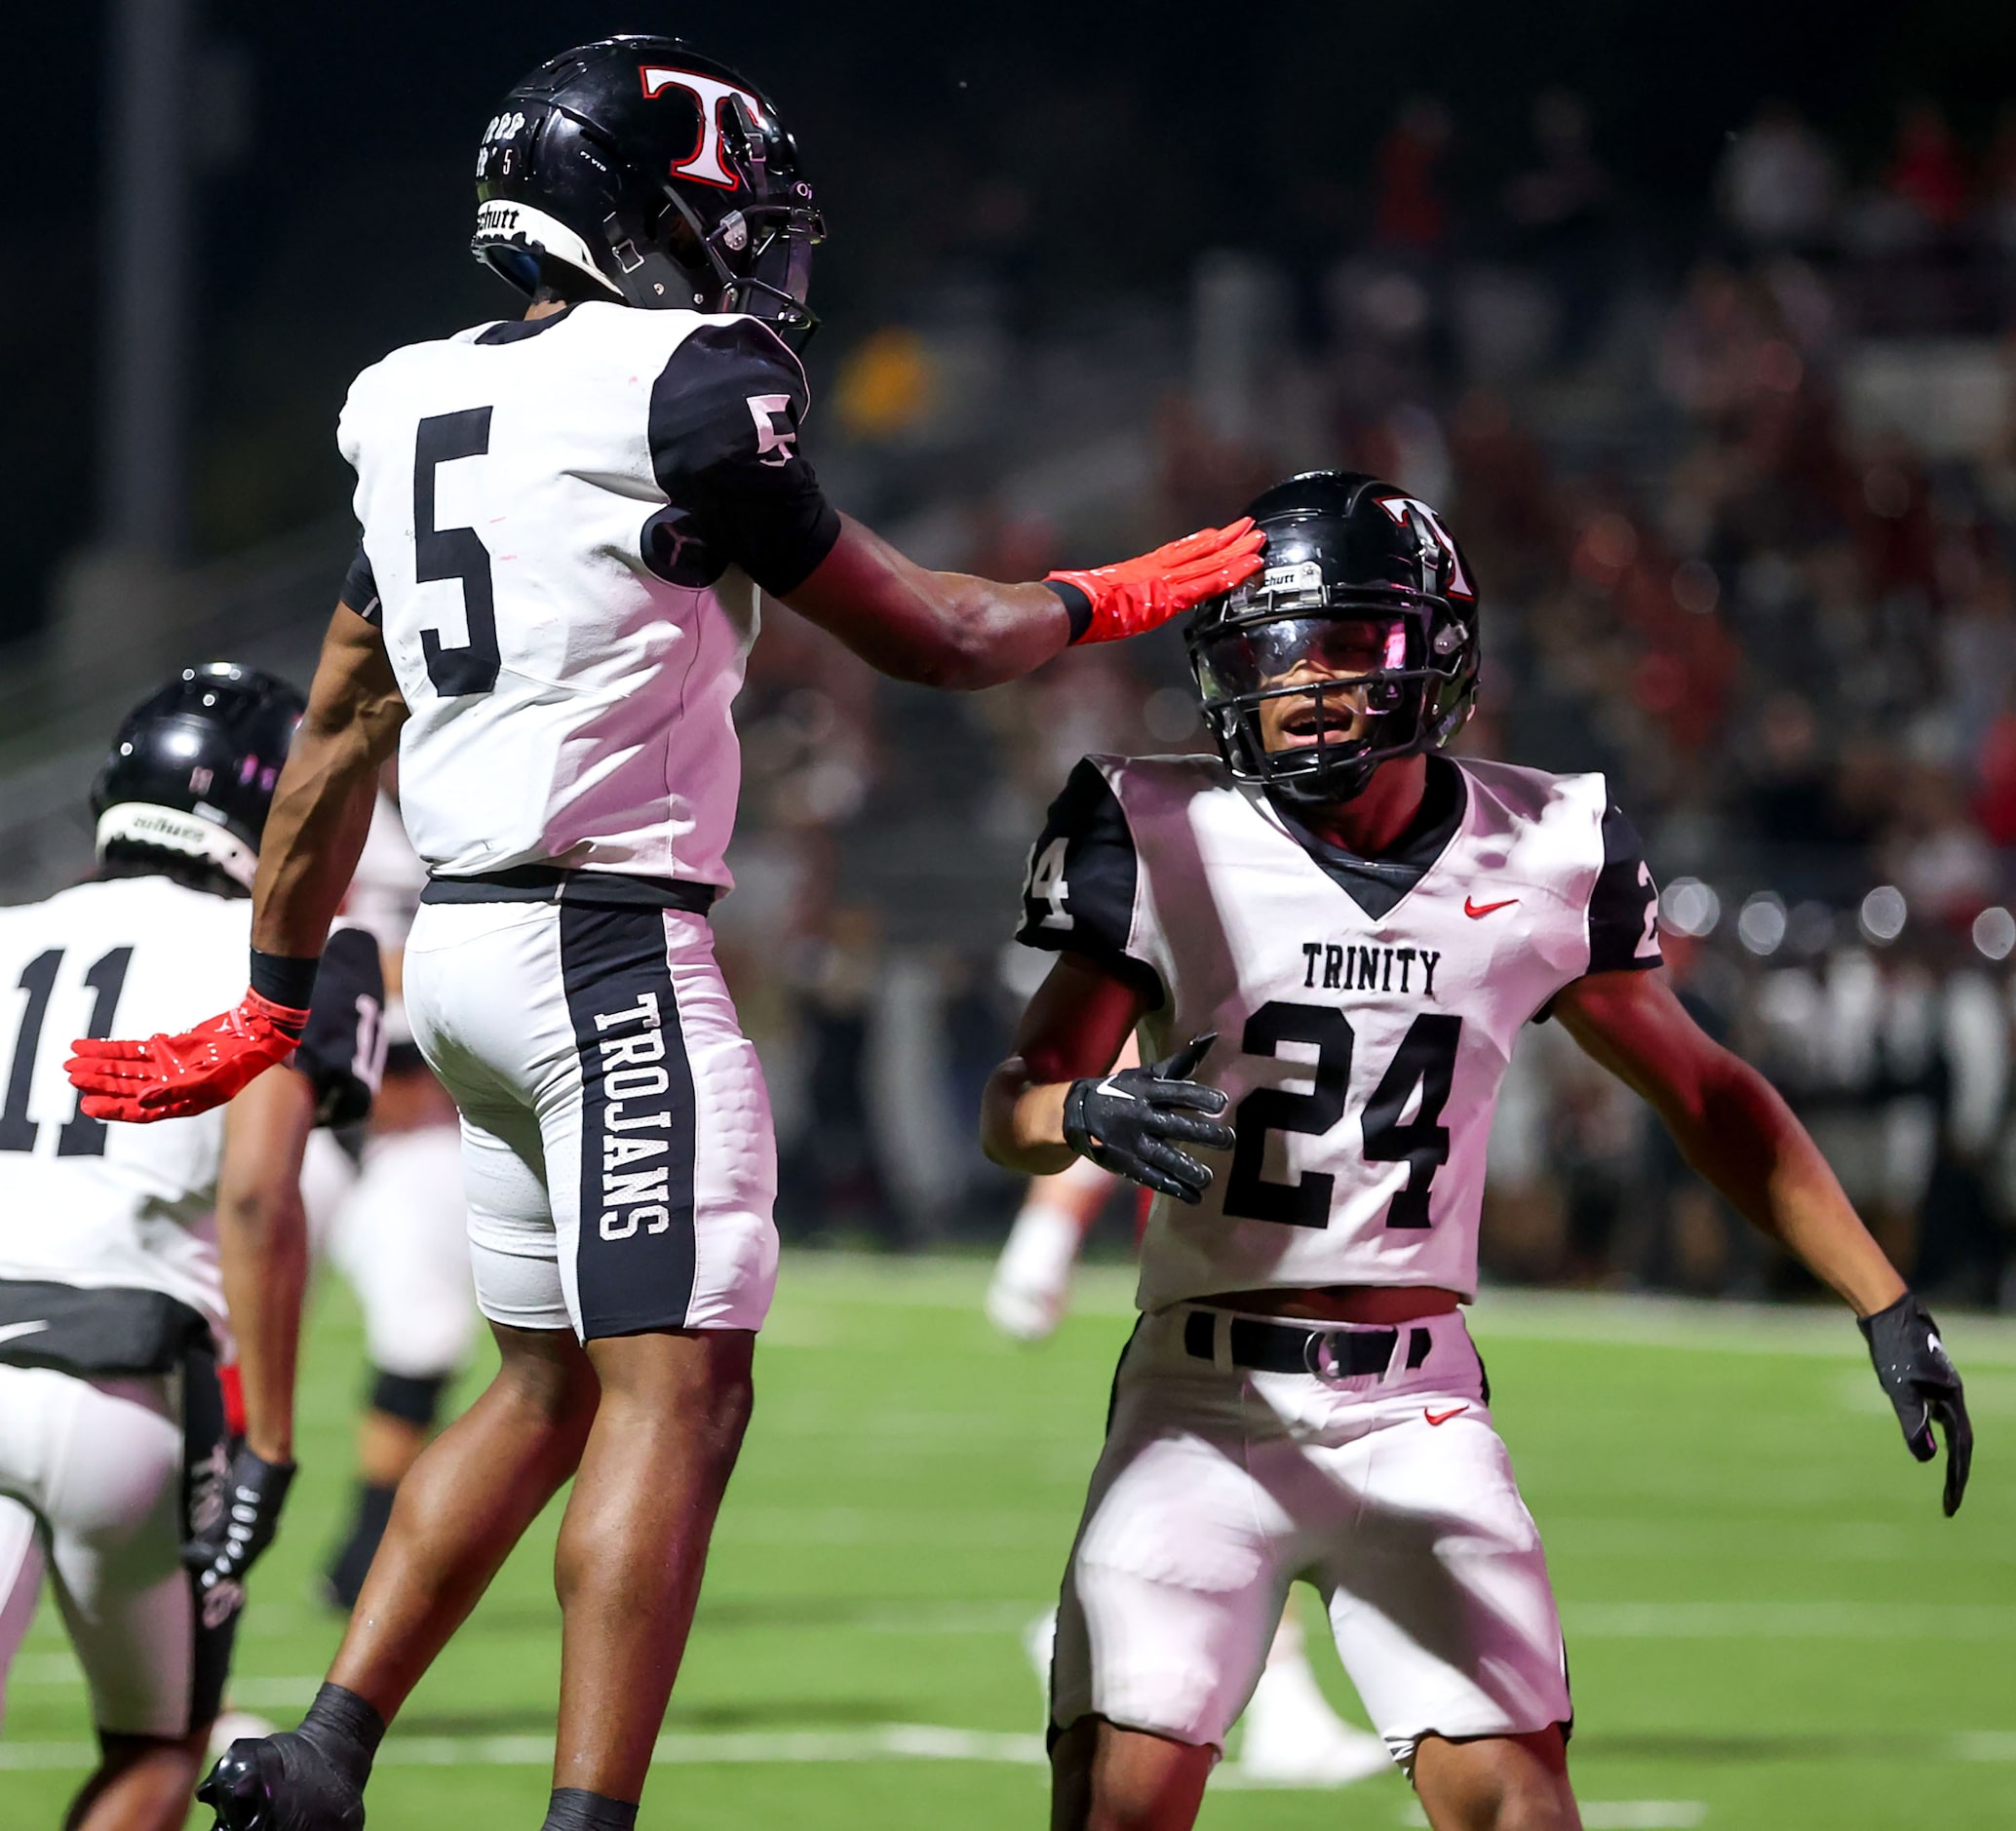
{"x": 1291, "y": 652}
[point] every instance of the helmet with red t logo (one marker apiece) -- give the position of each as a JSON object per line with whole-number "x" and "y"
{"x": 634, "y": 170}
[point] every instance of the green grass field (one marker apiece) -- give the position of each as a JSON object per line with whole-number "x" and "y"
{"x": 1770, "y": 1626}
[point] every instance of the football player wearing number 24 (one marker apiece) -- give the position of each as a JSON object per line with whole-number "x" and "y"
{"x": 567, "y": 523}
{"x": 1330, "y": 935}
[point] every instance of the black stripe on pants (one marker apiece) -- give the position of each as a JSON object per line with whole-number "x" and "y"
{"x": 634, "y": 1259}
{"x": 205, "y": 1458}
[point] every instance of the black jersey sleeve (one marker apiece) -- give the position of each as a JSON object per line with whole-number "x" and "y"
{"x": 360, "y": 586}
{"x": 726, "y": 413}
{"x": 343, "y": 1048}
{"x": 1624, "y": 906}
{"x": 1078, "y": 893}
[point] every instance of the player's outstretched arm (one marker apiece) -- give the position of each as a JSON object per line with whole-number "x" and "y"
{"x": 1735, "y": 1129}
{"x": 953, "y": 630}
{"x": 321, "y": 812}
{"x": 1057, "y": 1098}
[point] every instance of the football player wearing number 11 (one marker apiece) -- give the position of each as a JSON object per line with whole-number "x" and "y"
{"x": 1332, "y": 935}
{"x": 569, "y": 521}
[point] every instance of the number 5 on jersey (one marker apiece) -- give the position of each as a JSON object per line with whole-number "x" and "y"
{"x": 454, "y": 553}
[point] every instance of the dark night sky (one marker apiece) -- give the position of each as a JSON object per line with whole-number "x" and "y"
{"x": 1141, "y": 133}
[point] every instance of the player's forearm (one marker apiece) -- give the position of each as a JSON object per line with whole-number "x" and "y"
{"x": 322, "y": 811}
{"x": 980, "y": 633}
{"x": 262, "y": 1242}
{"x": 1021, "y": 1121}
{"x": 1740, "y": 1135}
{"x": 939, "y": 629}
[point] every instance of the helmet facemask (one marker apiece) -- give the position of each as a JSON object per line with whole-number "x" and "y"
{"x": 1346, "y": 681}
{"x": 758, "y": 258}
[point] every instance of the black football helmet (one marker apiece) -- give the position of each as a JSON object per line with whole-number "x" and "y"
{"x": 193, "y": 767}
{"x": 1363, "y": 588}
{"x": 662, "y": 175}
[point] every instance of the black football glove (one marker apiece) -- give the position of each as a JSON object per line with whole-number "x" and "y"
{"x": 1925, "y": 1386}
{"x": 224, "y": 1550}
{"x": 1124, "y": 1122}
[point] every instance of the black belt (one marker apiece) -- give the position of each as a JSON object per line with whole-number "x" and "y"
{"x": 1284, "y": 1347}
{"x": 595, "y": 889}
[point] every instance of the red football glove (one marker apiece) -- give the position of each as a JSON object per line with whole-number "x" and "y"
{"x": 170, "y": 1078}
{"x": 1137, "y": 595}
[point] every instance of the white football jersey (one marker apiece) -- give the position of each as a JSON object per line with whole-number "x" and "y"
{"x": 1365, "y": 1010}
{"x": 564, "y": 525}
{"x": 96, "y": 1206}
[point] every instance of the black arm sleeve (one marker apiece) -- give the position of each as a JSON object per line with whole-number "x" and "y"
{"x": 1078, "y": 894}
{"x": 1624, "y": 906}
{"x": 343, "y": 1049}
{"x": 724, "y": 447}
{"x": 360, "y": 586}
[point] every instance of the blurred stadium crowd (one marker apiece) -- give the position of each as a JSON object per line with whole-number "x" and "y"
{"x": 1743, "y": 504}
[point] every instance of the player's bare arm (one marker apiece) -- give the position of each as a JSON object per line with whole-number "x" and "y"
{"x": 953, "y": 630}
{"x": 1135, "y": 1121}
{"x": 262, "y": 1246}
{"x": 322, "y": 807}
{"x": 1074, "y": 1026}
{"x": 1732, "y": 1126}
{"x": 1736, "y": 1130}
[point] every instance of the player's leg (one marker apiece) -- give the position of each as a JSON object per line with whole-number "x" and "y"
{"x": 1031, "y": 1283}
{"x": 464, "y": 1505}
{"x": 21, "y": 1564}
{"x": 634, "y": 1542}
{"x": 663, "y": 1173}
{"x": 126, "y": 1464}
{"x": 472, "y": 1491}
{"x": 401, "y": 1241}
{"x": 1440, "y": 1604}
{"x": 461, "y": 1508}
{"x": 1170, "y": 1600}
{"x": 1496, "y": 1783}
{"x": 143, "y": 1783}
{"x": 1106, "y": 1778}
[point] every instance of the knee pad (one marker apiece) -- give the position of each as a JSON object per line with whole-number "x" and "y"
{"x": 413, "y": 1401}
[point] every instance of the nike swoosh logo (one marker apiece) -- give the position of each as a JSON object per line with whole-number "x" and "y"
{"x": 1443, "y": 1417}
{"x": 1475, "y": 910}
{"x": 13, "y": 1330}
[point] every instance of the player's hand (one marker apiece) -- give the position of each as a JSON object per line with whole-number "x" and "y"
{"x": 1925, "y": 1386}
{"x": 226, "y": 1548}
{"x": 170, "y": 1078}
{"x": 1137, "y": 595}
{"x": 1135, "y": 1122}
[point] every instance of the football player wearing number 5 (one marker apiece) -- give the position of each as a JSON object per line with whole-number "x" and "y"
{"x": 567, "y": 523}
{"x": 1330, "y": 936}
